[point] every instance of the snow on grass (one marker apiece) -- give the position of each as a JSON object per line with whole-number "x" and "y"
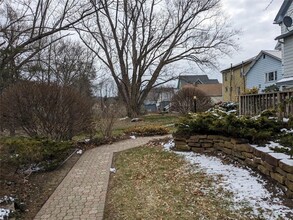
{"x": 4, "y": 213}
{"x": 246, "y": 186}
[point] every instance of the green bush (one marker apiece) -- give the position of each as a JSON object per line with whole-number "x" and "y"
{"x": 257, "y": 130}
{"x": 287, "y": 141}
{"x": 24, "y": 152}
{"x": 149, "y": 130}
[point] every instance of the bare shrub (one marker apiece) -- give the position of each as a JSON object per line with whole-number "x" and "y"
{"x": 183, "y": 100}
{"x": 46, "y": 110}
{"x": 105, "y": 115}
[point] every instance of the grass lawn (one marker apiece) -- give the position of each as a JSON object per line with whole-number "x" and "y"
{"x": 154, "y": 184}
{"x": 152, "y": 119}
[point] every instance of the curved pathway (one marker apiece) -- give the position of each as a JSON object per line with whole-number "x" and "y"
{"x": 82, "y": 193}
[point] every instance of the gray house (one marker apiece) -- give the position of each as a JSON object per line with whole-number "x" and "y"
{"x": 194, "y": 80}
{"x": 285, "y": 40}
{"x": 265, "y": 70}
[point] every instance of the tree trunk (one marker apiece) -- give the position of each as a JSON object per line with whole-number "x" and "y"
{"x": 133, "y": 110}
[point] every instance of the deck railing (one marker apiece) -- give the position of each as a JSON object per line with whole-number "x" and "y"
{"x": 256, "y": 103}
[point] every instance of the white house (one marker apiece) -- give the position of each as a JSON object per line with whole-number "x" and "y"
{"x": 265, "y": 70}
{"x": 286, "y": 42}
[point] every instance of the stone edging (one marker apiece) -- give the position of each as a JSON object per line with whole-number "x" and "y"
{"x": 277, "y": 166}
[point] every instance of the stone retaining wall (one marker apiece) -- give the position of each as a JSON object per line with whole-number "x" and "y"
{"x": 277, "y": 166}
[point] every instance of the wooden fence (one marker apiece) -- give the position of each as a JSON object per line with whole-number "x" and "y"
{"x": 256, "y": 103}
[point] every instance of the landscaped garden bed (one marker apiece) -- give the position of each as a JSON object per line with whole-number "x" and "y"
{"x": 155, "y": 183}
{"x": 263, "y": 142}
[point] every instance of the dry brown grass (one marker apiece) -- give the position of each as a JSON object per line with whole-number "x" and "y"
{"x": 153, "y": 184}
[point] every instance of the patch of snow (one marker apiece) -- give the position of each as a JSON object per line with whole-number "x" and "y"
{"x": 272, "y": 118}
{"x": 4, "y": 213}
{"x": 7, "y": 199}
{"x": 287, "y": 161}
{"x": 265, "y": 149}
{"x": 122, "y": 119}
{"x": 279, "y": 156}
{"x": 243, "y": 183}
{"x": 287, "y": 131}
{"x": 112, "y": 170}
{"x": 79, "y": 152}
{"x": 169, "y": 145}
{"x": 273, "y": 144}
{"x": 132, "y": 137}
{"x": 87, "y": 140}
{"x": 285, "y": 120}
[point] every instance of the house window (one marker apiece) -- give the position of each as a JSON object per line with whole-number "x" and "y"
{"x": 226, "y": 77}
{"x": 226, "y": 89}
{"x": 264, "y": 56}
{"x": 238, "y": 90}
{"x": 271, "y": 76}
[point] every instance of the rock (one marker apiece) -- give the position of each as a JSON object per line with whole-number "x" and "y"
{"x": 257, "y": 160}
{"x": 180, "y": 142}
{"x": 197, "y": 150}
{"x": 194, "y": 144}
{"x": 290, "y": 177}
{"x": 136, "y": 119}
{"x": 261, "y": 151}
{"x": 278, "y": 177}
{"x": 270, "y": 159}
{"x": 229, "y": 145}
{"x": 227, "y": 150}
{"x": 248, "y": 155}
{"x": 194, "y": 138}
{"x": 263, "y": 170}
{"x": 209, "y": 150}
{"x": 182, "y": 147}
{"x": 239, "y": 141}
{"x": 289, "y": 194}
{"x": 238, "y": 155}
{"x": 202, "y": 136}
{"x": 213, "y": 137}
{"x": 207, "y": 145}
{"x": 286, "y": 165}
{"x": 282, "y": 172}
{"x": 206, "y": 141}
{"x": 250, "y": 162}
{"x": 244, "y": 148}
{"x": 289, "y": 184}
{"x": 268, "y": 166}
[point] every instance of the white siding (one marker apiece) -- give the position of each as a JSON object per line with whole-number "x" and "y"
{"x": 256, "y": 75}
{"x": 284, "y": 29}
{"x": 288, "y": 57}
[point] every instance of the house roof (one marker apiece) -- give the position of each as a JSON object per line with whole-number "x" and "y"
{"x": 236, "y": 66}
{"x": 288, "y": 34}
{"x": 282, "y": 12}
{"x": 190, "y": 79}
{"x": 211, "y": 90}
{"x": 276, "y": 54}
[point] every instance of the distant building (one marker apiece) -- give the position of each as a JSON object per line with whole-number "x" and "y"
{"x": 214, "y": 91}
{"x": 234, "y": 80}
{"x": 159, "y": 99}
{"x": 265, "y": 70}
{"x": 194, "y": 80}
{"x": 286, "y": 43}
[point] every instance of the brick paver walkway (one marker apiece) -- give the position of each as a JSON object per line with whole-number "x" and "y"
{"x": 82, "y": 193}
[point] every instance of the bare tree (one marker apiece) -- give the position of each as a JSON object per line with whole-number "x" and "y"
{"x": 65, "y": 62}
{"x": 25, "y": 28}
{"x": 183, "y": 100}
{"x": 138, "y": 39}
{"x": 41, "y": 109}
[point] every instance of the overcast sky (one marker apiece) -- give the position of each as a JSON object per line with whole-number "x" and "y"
{"x": 256, "y": 24}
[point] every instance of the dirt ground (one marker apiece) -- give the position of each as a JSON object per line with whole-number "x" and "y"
{"x": 34, "y": 190}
